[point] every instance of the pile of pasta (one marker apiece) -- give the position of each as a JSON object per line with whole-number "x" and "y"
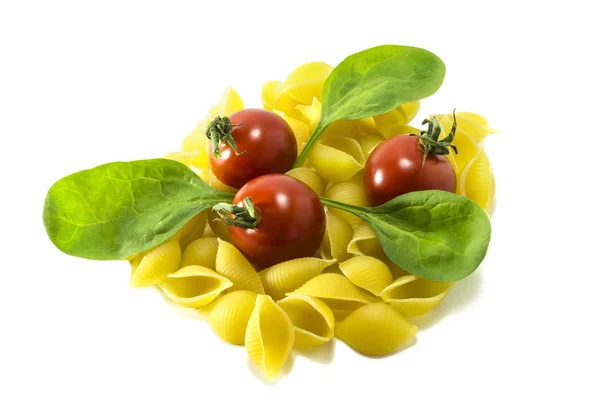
{"x": 350, "y": 289}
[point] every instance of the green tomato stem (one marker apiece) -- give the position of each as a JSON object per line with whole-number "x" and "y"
{"x": 218, "y": 131}
{"x": 246, "y": 217}
{"x": 430, "y": 142}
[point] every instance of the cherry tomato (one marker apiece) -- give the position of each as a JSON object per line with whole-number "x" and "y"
{"x": 394, "y": 168}
{"x": 291, "y": 220}
{"x": 264, "y": 143}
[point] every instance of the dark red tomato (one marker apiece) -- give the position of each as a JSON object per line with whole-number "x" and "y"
{"x": 394, "y": 168}
{"x": 265, "y": 144}
{"x": 291, "y": 220}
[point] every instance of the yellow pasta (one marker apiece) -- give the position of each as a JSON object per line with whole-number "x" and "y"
{"x": 395, "y": 121}
{"x": 413, "y": 295}
{"x": 337, "y": 291}
{"x": 312, "y": 319}
{"x": 468, "y": 148}
{"x": 269, "y": 336}
{"x": 186, "y": 158}
{"x": 348, "y": 192}
{"x": 477, "y": 182}
{"x": 365, "y": 242}
{"x": 191, "y": 231}
{"x": 376, "y": 329}
{"x": 152, "y": 267}
{"x": 309, "y": 177}
{"x": 472, "y": 124}
{"x": 338, "y": 234}
{"x": 234, "y": 266}
{"x": 288, "y": 276}
{"x": 368, "y": 143}
{"x": 351, "y": 129}
{"x": 197, "y": 143}
{"x": 301, "y": 130}
{"x": 230, "y": 102}
{"x": 337, "y": 159}
{"x": 194, "y": 286}
{"x": 214, "y": 182}
{"x": 228, "y": 316}
{"x": 310, "y": 113}
{"x": 201, "y": 252}
{"x": 368, "y": 273}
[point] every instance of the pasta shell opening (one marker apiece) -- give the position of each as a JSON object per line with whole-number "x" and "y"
{"x": 288, "y": 276}
{"x": 337, "y": 159}
{"x": 368, "y": 273}
{"x": 201, "y": 252}
{"x": 312, "y": 319}
{"x": 228, "y": 316}
{"x": 414, "y": 296}
{"x": 151, "y": 268}
{"x": 338, "y": 234}
{"x": 232, "y": 264}
{"x": 194, "y": 286}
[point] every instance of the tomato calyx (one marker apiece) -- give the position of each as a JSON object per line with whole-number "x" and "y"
{"x": 246, "y": 217}
{"x": 430, "y": 142}
{"x": 218, "y": 131}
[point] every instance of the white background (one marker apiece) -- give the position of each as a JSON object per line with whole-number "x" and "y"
{"x": 84, "y": 83}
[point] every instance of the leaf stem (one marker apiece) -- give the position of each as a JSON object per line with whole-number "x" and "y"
{"x": 356, "y": 210}
{"x": 319, "y": 130}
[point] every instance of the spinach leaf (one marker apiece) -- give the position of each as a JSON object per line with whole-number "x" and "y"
{"x": 376, "y": 81}
{"x": 434, "y": 234}
{"x": 119, "y": 209}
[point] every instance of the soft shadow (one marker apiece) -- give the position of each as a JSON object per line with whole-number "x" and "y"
{"x": 322, "y": 354}
{"x": 180, "y": 310}
{"x": 493, "y": 207}
{"x": 285, "y": 370}
{"x": 461, "y": 295}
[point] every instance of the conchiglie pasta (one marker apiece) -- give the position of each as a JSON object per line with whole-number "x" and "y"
{"x": 269, "y": 336}
{"x": 309, "y": 177}
{"x": 287, "y": 276}
{"x": 466, "y": 145}
{"x": 368, "y": 143}
{"x": 338, "y": 234}
{"x": 365, "y": 242}
{"x": 197, "y": 143}
{"x": 194, "y": 286}
{"x": 234, "y": 266}
{"x": 152, "y": 267}
{"x": 301, "y": 130}
{"x": 337, "y": 291}
{"x": 414, "y": 296}
{"x": 311, "y": 113}
{"x": 230, "y": 102}
{"x": 312, "y": 319}
{"x": 337, "y": 159}
{"x": 218, "y": 227}
{"x": 228, "y": 316}
{"x": 348, "y": 192}
{"x": 477, "y": 182}
{"x": 192, "y": 230}
{"x": 186, "y": 158}
{"x": 368, "y": 273}
{"x": 472, "y": 124}
{"x": 351, "y": 129}
{"x": 201, "y": 252}
{"x": 375, "y": 329}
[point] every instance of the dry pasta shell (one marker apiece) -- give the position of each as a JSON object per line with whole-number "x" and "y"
{"x": 472, "y": 124}
{"x": 301, "y": 130}
{"x": 337, "y": 159}
{"x": 337, "y": 291}
{"x": 348, "y": 192}
{"x": 230, "y": 102}
{"x": 306, "y": 81}
{"x": 196, "y": 142}
{"x": 228, "y": 315}
{"x": 152, "y": 267}
{"x": 269, "y": 336}
{"x": 368, "y": 273}
{"x": 201, "y": 252}
{"x": 232, "y": 264}
{"x": 310, "y": 113}
{"x": 194, "y": 286}
{"x": 365, "y": 242}
{"x": 478, "y": 182}
{"x": 192, "y": 230}
{"x": 288, "y": 276}
{"x": 312, "y": 319}
{"x": 185, "y": 158}
{"x": 375, "y": 329}
{"x": 368, "y": 143}
{"x": 414, "y": 296}
{"x": 338, "y": 234}
{"x": 309, "y": 177}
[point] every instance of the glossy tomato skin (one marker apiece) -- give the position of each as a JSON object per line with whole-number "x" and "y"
{"x": 394, "y": 168}
{"x": 291, "y": 225}
{"x": 265, "y": 143}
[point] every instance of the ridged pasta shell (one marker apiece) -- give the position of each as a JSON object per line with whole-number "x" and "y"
{"x": 337, "y": 291}
{"x": 269, "y": 336}
{"x": 468, "y": 148}
{"x": 338, "y": 234}
{"x": 312, "y": 319}
{"x": 192, "y": 230}
{"x": 354, "y": 129}
{"x": 414, "y": 296}
{"x": 201, "y": 252}
{"x": 376, "y": 329}
{"x": 152, "y": 267}
{"x": 196, "y": 142}
{"x": 348, "y": 192}
{"x": 288, "y": 276}
{"x": 311, "y": 113}
{"x": 230, "y": 102}
{"x": 228, "y": 316}
{"x": 472, "y": 124}
{"x": 185, "y": 158}
{"x": 365, "y": 242}
{"x": 194, "y": 286}
{"x": 234, "y": 266}
{"x": 301, "y": 130}
{"x": 369, "y": 142}
{"x": 337, "y": 159}
{"x": 368, "y": 273}
{"x": 309, "y": 177}
{"x": 305, "y": 82}
{"x": 477, "y": 182}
